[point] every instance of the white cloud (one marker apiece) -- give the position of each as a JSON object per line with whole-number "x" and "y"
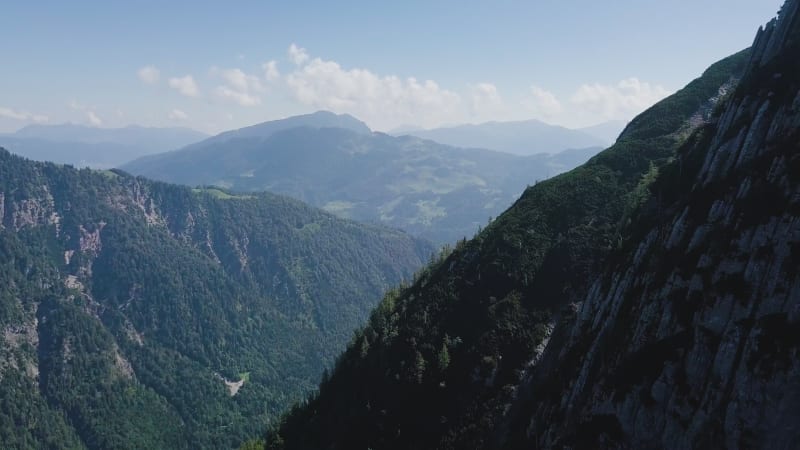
{"x": 10, "y": 113}
{"x": 93, "y": 119}
{"x": 149, "y": 74}
{"x": 486, "y": 102}
{"x": 271, "y": 72}
{"x": 73, "y": 104}
{"x": 542, "y": 103}
{"x": 620, "y": 101}
{"x": 177, "y": 114}
{"x": 297, "y": 55}
{"x": 239, "y": 80}
{"x": 239, "y": 87}
{"x": 185, "y": 85}
{"x": 242, "y": 98}
{"x": 384, "y": 101}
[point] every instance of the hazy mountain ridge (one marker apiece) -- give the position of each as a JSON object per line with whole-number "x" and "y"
{"x": 436, "y": 191}
{"x": 528, "y": 137}
{"x": 159, "y": 137}
{"x": 606, "y": 131}
{"x": 127, "y": 305}
{"x": 84, "y": 146}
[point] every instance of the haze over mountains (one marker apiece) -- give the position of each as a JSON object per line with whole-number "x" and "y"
{"x": 335, "y": 162}
{"x": 607, "y": 132}
{"x": 84, "y": 146}
{"x": 527, "y": 137}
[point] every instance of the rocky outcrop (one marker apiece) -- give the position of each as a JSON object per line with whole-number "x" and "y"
{"x": 16, "y": 342}
{"x": 690, "y": 340}
{"x": 140, "y": 197}
{"x": 778, "y": 34}
{"x": 33, "y": 212}
{"x": 90, "y": 243}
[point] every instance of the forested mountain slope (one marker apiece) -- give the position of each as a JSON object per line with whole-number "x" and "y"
{"x": 136, "y": 314}
{"x": 646, "y": 299}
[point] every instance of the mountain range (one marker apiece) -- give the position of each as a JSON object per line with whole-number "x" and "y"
{"x": 335, "y": 162}
{"x": 84, "y": 146}
{"x": 642, "y": 296}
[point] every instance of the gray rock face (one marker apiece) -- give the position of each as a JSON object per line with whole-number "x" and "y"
{"x": 691, "y": 340}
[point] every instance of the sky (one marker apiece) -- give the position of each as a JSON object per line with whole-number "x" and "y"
{"x": 214, "y": 65}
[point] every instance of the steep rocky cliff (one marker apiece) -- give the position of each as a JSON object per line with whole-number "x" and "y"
{"x": 692, "y": 340}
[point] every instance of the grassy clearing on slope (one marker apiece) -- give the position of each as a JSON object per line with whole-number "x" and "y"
{"x": 220, "y": 194}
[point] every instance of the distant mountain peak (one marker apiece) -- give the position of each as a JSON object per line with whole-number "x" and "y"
{"x": 326, "y": 113}
{"x": 318, "y": 119}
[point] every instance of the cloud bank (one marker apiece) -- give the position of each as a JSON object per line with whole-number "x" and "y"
{"x": 185, "y": 85}
{"x": 10, "y": 113}
{"x": 238, "y": 86}
{"x": 177, "y": 114}
{"x": 386, "y": 101}
{"x": 149, "y": 74}
{"x": 93, "y": 119}
{"x": 628, "y": 97}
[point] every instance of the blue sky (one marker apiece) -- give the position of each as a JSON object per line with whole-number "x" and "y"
{"x": 220, "y": 65}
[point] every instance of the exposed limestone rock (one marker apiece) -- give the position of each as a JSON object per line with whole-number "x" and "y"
{"x": 72, "y": 282}
{"x": 240, "y": 248}
{"x": 233, "y": 386}
{"x": 133, "y": 335}
{"x": 90, "y": 243}
{"x": 144, "y": 202}
{"x": 90, "y": 306}
{"x": 122, "y": 365}
{"x": 30, "y": 213}
{"x": 209, "y": 244}
{"x": 15, "y": 336}
{"x": 55, "y": 219}
{"x": 539, "y": 351}
{"x": 190, "y": 224}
